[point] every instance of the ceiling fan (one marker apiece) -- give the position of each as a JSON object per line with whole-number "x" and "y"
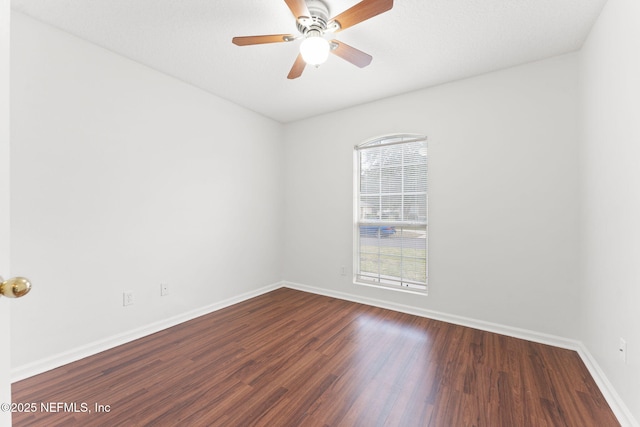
{"x": 313, "y": 23}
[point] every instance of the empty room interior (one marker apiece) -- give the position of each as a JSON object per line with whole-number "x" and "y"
{"x": 435, "y": 225}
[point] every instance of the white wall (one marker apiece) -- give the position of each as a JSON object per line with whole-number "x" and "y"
{"x": 123, "y": 178}
{"x": 610, "y": 177}
{"x": 503, "y": 202}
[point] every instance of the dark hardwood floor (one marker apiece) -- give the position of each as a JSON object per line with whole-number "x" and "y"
{"x": 290, "y": 358}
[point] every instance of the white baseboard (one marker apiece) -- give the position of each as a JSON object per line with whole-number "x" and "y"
{"x": 618, "y": 407}
{"x": 40, "y": 366}
{"x": 625, "y": 417}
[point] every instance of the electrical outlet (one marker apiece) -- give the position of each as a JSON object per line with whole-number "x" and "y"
{"x": 164, "y": 289}
{"x": 127, "y": 298}
{"x": 622, "y": 350}
{"x": 343, "y": 271}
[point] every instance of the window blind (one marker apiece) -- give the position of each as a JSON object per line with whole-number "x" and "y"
{"x": 391, "y": 212}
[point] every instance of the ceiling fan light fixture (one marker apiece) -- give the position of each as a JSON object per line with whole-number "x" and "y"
{"x": 315, "y": 50}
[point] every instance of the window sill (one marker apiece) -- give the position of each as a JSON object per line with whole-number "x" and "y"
{"x": 391, "y": 288}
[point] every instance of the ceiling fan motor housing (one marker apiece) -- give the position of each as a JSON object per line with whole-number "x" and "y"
{"x": 316, "y": 24}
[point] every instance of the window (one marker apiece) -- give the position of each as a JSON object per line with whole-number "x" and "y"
{"x": 390, "y": 230}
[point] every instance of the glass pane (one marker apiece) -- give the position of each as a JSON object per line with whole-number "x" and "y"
{"x": 392, "y": 179}
{"x": 369, "y": 159}
{"x": 368, "y": 262}
{"x": 370, "y": 181}
{"x": 414, "y": 253}
{"x": 370, "y": 207}
{"x": 415, "y": 270}
{"x": 391, "y": 266}
{"x": 391, "y": 155}
{"x": 391, "y": 208}
{"x": 415, "y": 151}
{"x": 415, "y": 208}
{"x": 415, "y": 178}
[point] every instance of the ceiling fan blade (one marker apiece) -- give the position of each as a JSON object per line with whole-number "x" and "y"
{"x": 297, "y": 69}
{"x": 298, "y": 8}
{"x": 351, "y": 54}
{"x": 361, "y": 12}
{"x": 273, "y": 38}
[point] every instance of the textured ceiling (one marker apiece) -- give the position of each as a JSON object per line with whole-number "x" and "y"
{"x": 418, "y": 43}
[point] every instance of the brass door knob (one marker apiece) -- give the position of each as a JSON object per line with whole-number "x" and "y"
{"x": 15, "y": 287}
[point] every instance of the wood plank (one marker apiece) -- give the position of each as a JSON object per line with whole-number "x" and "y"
{"x": 291, "y": 358}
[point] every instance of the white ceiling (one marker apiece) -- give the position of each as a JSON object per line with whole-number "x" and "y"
{"x": 418, "y": 43}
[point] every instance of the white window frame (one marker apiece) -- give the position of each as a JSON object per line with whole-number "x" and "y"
{"x": 379, "y": 280}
